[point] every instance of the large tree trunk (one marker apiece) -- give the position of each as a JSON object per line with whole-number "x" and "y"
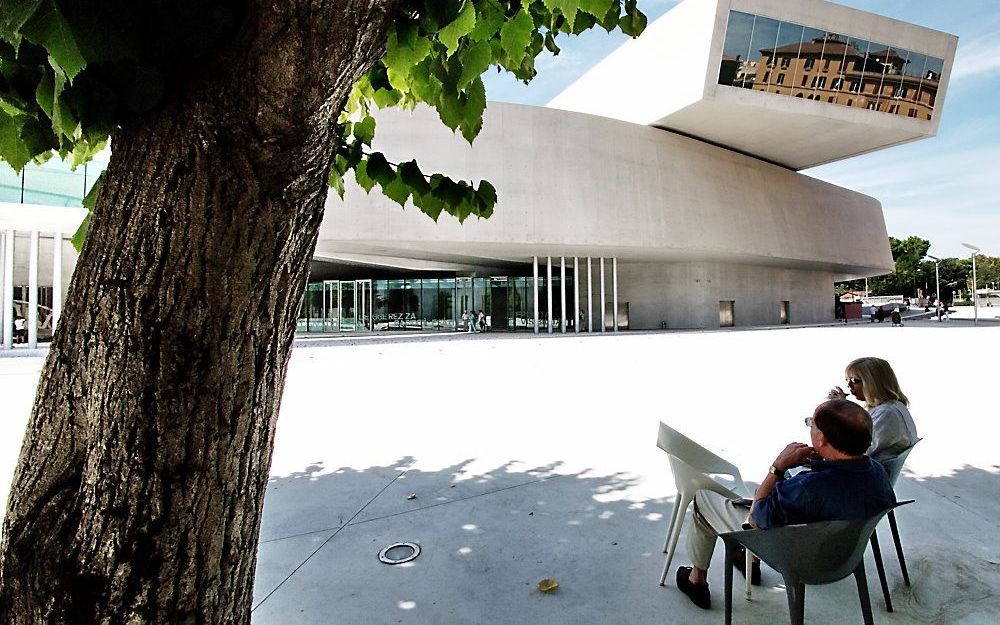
{"x": 138, "y": 493}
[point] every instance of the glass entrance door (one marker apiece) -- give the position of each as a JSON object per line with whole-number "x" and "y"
{"x": 348, "y": 306}
{"x": 331, "y": 308}
{"x": 363, "y": 305}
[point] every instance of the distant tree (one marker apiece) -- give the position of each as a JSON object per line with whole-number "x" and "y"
{"x": 138, "y": 491}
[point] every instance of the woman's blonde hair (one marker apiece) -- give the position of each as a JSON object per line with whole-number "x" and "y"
{"x": 878, "y": 381}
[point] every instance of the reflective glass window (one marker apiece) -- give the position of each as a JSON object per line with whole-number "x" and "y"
{"x": 881, "y": 58}
{"x": 380, "y": 304}
{"x": 929, "y": 84}
{"x": 428, "y": 304}
{"x": 761, "y": 55}
{"x": 736, "y": 50}
{"x": 10, "y": 184}
{"x": 445, "y": 312}
{"x": 810, "y": 56}
{"x": 786, "y": 50}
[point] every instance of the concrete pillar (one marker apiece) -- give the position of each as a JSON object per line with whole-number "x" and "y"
{"x": 57, "y": 243}
{"x": 590, "y": 297}
{"x": 548, "y": 290}
{"x": 534, "y": 286}
{"x": 7, "y": 314}
{"x": 562, "y": 293}
{"x": 576, "y": 295}
{"x": 614, "y": 292}
{"x": 33, "y": 290}
{"x": 601, "y": 315}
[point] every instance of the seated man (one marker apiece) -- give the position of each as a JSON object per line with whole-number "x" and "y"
{"x": 842, "y": 484}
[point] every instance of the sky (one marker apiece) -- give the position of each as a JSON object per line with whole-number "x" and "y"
{"x": 945, "y": 189}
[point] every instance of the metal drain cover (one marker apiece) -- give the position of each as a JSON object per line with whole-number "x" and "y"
{"x": 398, "y": 553}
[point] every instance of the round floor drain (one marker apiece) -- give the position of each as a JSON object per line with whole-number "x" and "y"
{"x": 399, "y": 553}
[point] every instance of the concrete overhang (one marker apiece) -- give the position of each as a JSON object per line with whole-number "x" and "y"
{"x": 669, "y": 78}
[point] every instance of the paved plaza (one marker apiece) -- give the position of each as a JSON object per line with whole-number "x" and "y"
{"x": 513, "y": 458}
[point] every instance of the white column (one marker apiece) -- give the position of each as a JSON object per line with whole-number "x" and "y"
{"x": 534, "y": 295}
{"x": 590, "y": 297}
{"x": 562, "y": 293}
{"x": 57, "y": 243}
{"x": 614, "y": 292}
{"x": 601, "y": 315}
{"x": 548, "y": 290}
{"x": 6, "y": 315}
{"x": 576, "y": 295}
{"x": 33, "y": 290}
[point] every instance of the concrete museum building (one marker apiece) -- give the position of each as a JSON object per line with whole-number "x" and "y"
{"x": 660, "y": 190}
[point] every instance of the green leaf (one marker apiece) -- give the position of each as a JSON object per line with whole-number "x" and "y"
{"x": 462, "y": 26}
{"x": 89, "y": 202}
{"x": 597, "y": 8}
{"x": 81, "y": 233}
{"x": 15, "y": 13}
{"x": 363, "y": 179}
{"x": 515, "y": 36}
{"x": 475, "y": 60}
{"x": 488, "y": 22}
{"x": 634, "y": 20}
{"x": 12, "y": 148}
{"x": 397, "y": 191}
{"x": 429, "y": 204}
{"x": 409, "y": 172}
{"x": 487, "y": 196}
{"x": 337, "y": 182}
{"x": 379, "y": 169}
{"x": 364, "y": 130}
{"x": 567, "y": 8}
{"x": 48, "y": 28}
{"x": 387, "y": 97}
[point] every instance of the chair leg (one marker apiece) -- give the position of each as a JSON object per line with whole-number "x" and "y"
{"x": 675, "y": 533}
{"x": 866, "y": 601}
{"x": 673, "y": 522}
{"x": 796, "y": 593}
{"x": 899, "y": 547}
{"x": 730, "y": 558}
{"x": 749, "y": 569}
{"x": 880, "y": 567}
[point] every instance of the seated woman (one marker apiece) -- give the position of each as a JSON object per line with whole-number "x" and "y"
{"x": 873, "y": 381}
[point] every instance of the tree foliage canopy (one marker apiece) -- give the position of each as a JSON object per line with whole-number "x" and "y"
{"x": 72, "y": 73}
{"x": 914, "y": 272}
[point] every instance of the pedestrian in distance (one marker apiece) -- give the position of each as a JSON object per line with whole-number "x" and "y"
{"x": 482, "y": 321}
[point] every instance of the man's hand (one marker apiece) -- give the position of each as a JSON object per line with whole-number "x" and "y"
{"x": 793, "y": 455}
{"x": 836, "y": 393}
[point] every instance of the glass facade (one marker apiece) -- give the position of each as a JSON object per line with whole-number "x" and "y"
{"x": 50, "y": 184}
{"x": 431, "y": 304}
{"x": 765, "y": 54}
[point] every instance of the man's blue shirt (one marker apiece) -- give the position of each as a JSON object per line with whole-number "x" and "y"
{"x": 832, "y": 490}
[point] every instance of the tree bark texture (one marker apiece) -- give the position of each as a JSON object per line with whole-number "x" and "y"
{"x": 138, "y": 492}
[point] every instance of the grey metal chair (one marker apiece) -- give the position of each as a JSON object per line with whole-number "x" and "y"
{"x": 813, "y": 554}
{"x": 893, "y": 467}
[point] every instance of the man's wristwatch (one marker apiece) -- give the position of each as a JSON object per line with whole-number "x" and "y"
{"x": 776, "y": 472}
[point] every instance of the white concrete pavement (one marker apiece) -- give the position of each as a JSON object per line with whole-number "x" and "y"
{"x": 536, "y": 458}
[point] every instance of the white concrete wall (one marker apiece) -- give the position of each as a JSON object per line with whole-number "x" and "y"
{"x": 579, "y": 185}
{"x": 687, "y": 295}
{"x": 662, "y": 70}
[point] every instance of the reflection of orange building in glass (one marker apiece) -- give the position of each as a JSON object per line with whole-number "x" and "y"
{"x": 829, "y": 69}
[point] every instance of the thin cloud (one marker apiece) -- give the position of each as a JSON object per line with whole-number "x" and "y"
{"x": 979, "y": 57}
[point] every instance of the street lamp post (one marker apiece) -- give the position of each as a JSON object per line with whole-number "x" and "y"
{"x": 975, "y": 294}
{"x": 937, "y": 285}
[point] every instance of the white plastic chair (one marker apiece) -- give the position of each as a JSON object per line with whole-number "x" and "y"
{"x": 693, "y": 466}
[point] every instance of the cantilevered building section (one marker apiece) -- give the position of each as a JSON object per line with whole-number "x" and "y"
{"x": 658, "y": 191}
{"x": 798, "y": 84}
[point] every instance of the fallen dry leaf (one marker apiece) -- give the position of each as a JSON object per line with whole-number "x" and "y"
{"x": 411, "y": 496}
{"x": 548, "y": 584}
